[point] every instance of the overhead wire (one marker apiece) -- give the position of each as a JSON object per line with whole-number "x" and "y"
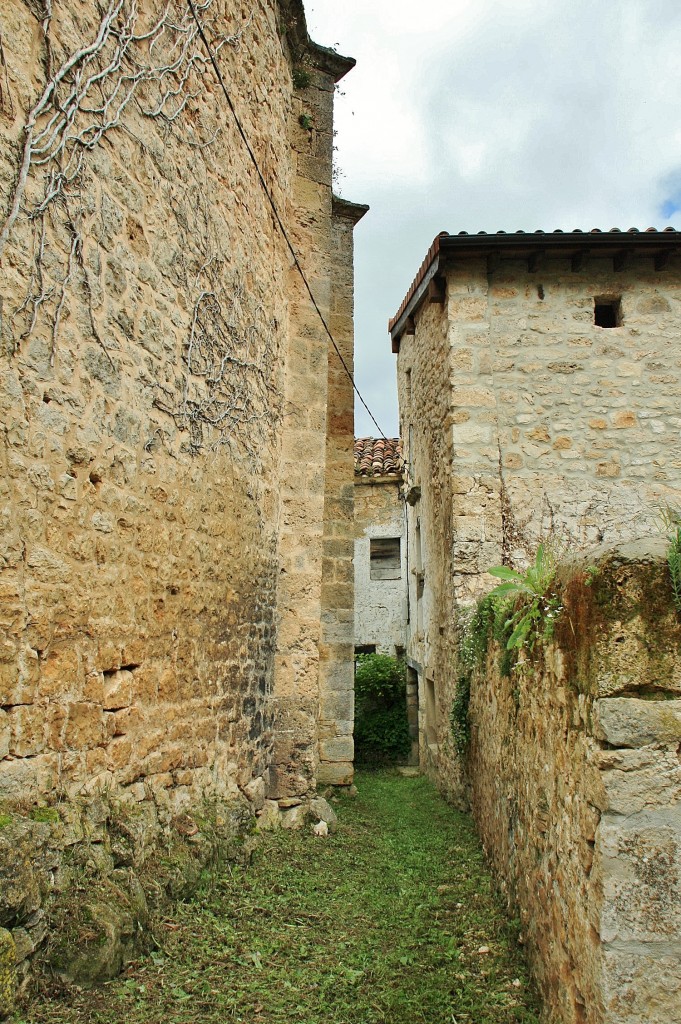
{"x": 277, "y": 216}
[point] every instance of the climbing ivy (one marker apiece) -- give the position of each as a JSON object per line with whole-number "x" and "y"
{"x": 489, "y": 620}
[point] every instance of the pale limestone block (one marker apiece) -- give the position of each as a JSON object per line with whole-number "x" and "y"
{"x": 471, "y": 433}
{"x": 321, "y": 810}
{"x": 335, "y": 773}
{"x": 337, "y": 705}
{"x": 473, "y": 397}
{"x": 629, "y": 722}
{"x": 634, "y": 779}
{"x": 640, "y": 863}
{"x": 340, "y": 748}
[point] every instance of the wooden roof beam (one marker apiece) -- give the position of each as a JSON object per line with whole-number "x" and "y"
{"x": 533, "y": 261}
{"x": 437, "y": 290}
{"x": 578, "y": 260}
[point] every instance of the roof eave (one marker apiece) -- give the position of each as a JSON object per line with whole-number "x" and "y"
{"x": 447, "y": 248}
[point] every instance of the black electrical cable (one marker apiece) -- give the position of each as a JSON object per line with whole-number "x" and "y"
{"x": 276, "y": 213}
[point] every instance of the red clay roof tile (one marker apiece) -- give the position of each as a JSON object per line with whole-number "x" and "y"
{"x": 378, "y": 457}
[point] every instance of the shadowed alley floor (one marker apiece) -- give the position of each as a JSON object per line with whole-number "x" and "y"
{"x": 392, "y": 920}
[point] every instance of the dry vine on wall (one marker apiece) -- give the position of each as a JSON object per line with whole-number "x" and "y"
{"x": 135, "y": 66}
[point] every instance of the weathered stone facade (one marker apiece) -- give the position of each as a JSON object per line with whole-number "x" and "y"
{"x": 575, "y": 784}
{"x": 380, "y": 596}
{"x": 175, "y": 425}
{"x": 525, "y": 418}
{"x": 336, "y": 654}
{"x": 533, "y": 420}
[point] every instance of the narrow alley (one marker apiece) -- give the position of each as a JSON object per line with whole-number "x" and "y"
{"x": 391, "y": 920}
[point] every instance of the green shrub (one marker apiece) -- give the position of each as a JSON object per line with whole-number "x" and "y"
{"x": 381, "y": 727}
{"x": 301, "y": 78}
{"x": 458, "y": 719}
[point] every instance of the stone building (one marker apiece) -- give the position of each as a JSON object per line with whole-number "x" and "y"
{"x": 539, "y": 380}
{"x": 380, "y": 548}
{"x": 539, "y": 386}
{"x": 176, "y": 503}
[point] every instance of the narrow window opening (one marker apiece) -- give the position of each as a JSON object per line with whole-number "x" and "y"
{"x": 431, "y": 712}
{"x": 607, "y": 312}
{"x": 384, "y": 556}
{"x": 365, "y": 649}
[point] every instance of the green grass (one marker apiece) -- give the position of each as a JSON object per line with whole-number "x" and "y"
{"x": 381, "y": 923}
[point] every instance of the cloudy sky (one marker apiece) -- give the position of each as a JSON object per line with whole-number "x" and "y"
{"x": 470, "y": 115}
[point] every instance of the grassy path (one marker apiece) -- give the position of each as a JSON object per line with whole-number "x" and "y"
{"x": 385, "y": 922}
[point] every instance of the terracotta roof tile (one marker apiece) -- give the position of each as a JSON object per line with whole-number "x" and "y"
{"x": 378, "y": 456}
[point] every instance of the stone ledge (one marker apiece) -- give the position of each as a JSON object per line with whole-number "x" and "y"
{"x": 630, "y": 722}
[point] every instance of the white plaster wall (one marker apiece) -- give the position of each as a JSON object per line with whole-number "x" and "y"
{"x": 380, "y": 605}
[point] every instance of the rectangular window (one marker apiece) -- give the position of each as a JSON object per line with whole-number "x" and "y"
{"x": 384, "y": 555}
{"x": 431, "y": 712}
{"x": 365, "y": 649}
{"x": 607, "y": 312}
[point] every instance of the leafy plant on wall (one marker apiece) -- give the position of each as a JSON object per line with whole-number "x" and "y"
{"x": 671, "y": 521}
{"x": 535, "y": 606}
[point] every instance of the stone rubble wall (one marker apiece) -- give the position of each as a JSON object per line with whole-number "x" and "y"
{"x": 574, "y": 775}
{"x": 163, "y": 404}
{"x": 138, "y": 578}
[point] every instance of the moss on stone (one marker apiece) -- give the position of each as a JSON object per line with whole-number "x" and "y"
{"x": 45, "y": 814}
{"x": 8, "y": 960}
{"x": 619, "y": 622}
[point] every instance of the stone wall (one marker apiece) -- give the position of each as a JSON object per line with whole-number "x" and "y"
{"x": 164, "y": 405}
{"x": 140, "y": 453}
{"x": 553, "y": 426}
{"x": 575, "y": 780}
{"x": 524, "y": 420}
{"x": 380, "y": 604}
{"x": 336, "y": 676}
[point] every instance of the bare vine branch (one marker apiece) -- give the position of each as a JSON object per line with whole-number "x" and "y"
{"x": 154, "y": 69}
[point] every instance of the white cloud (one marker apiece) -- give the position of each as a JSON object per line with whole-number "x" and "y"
{"x": 495, "y": 114}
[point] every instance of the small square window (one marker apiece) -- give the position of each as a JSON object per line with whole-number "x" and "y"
{"x": 384, "y": 556}
{"x": 607, "y": 312}
{"x": 365, "y": 649}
